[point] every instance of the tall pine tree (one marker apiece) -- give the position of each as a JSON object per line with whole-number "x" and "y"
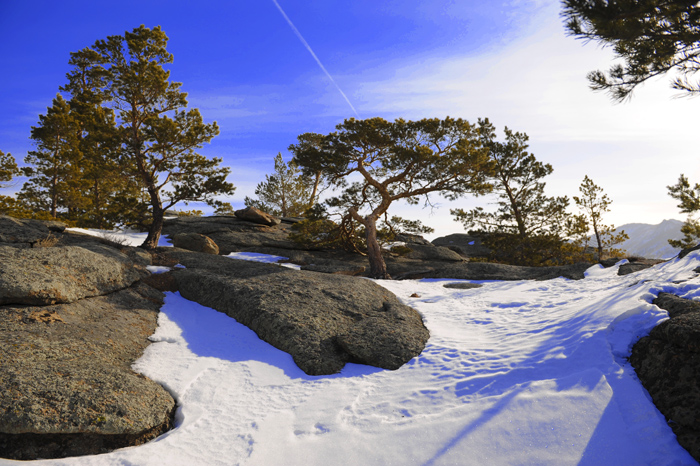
{"x": 157, "y": 134}
{"x": 102, "y": 179}
{"x": 53, "y": 184}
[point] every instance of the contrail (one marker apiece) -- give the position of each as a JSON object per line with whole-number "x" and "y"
{"x": 308, "y": 47}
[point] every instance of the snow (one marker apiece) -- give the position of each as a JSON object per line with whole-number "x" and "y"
{"x": 515, "y": 373}
{"x": 126, "y": 237}
{"x": 266, "y": 258}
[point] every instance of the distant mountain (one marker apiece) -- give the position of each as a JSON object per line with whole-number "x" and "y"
{"x": 651, "y": 241}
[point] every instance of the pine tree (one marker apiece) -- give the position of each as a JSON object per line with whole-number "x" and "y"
{"x": 102, "y": 179}
{"x": 400, "y": 160}
{"x": 52, "y": 173}
{"x": 158, "y": 134}
{"x": 689, "y": 203}
{"x": 285, "y": 193}
{"x": 310, "y": 156}
{"x": 8, "y": 168}
{"x": 528, "y": 227}
{"x": 593, "y": 204}
{"x": 652, "y": 37}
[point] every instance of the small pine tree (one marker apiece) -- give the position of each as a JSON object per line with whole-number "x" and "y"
{"x": 593, "y": 204}
{"x": 689, "y": 203}
{"x": 285, "y": 193}
{"x": 8, "y": 168}
{"x": 224, "y": 208}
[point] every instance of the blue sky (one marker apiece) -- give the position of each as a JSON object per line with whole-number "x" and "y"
{"x": 244, "y": 67}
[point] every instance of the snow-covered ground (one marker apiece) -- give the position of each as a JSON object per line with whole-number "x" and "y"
{"x": 515, "y": 373}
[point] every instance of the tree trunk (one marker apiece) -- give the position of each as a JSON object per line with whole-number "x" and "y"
{"x": 600, "y": 243}
{"x": 317, "y": 181}
{"x": 377, "y": 266}
{"x": 157, "y": 225}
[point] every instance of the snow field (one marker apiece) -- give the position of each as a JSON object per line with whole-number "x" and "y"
{"x": 515, "y": 373}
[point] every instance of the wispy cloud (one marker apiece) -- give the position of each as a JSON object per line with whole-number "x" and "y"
{"x": 308, "y": 47}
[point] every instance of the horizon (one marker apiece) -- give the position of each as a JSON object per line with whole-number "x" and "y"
{"x": 270, "y": 71}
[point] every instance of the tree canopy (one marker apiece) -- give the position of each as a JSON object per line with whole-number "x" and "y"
{"x": 651, "y": 37}
{"x": 53, "y": 180}
{"x": 157, "y": 134}
{"x": 377, "y": 162}
{"x": 528, "y": 227}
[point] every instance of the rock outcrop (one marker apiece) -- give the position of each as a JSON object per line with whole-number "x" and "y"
{"x": 67, "y": 385}
{"x": 73, "y": 318}
{"x": 489, "y": 271}
{"x": 424, "y": 260}
{"x": 465, "y": 245}
{"x": 667, "y": 362}
{"x": 25, "y": 233}
{"x": 322, "y": 320}
{"x": 232, "y": 234}
{"x": 43, "y": 276}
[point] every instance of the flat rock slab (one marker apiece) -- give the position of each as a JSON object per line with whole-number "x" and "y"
{"x": 462, "y": 286}
{"x": 45, "y": 276}
{"x": 322, "y": 320}
{"x": 490, "y": 271}
{"x": 20, "y": 231}
{"x": 667, "y": 362}
{"x": 66, "y": 378}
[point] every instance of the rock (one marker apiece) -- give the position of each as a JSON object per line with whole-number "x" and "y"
{"x": 667, "y": 362}
{"x": 387, "y": 340}
{"x": 162, "y": 282}
{"x": 463, "y": 244}
{"x": 234, "y": 241}
{"x": 431, "y": 252}
{"x": 26, "y": 232}
{"x": 410, "y": 239}
{"x": 195, "y": 242}
{"x": 322, "y": 320}
{"x": 62, "y": 274}
{"x": 251, "y": 214}
{"x": 66, "y": 378}
{"x": 335, "y": 268}
{"x": 676, "y": 306}
{"x": 462, "y": 286}
{"x": 687, "y": 251}
{"x": 232, "y": 234}
{"x": 636, "y": 265}
{"x": 489, "y": 271}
